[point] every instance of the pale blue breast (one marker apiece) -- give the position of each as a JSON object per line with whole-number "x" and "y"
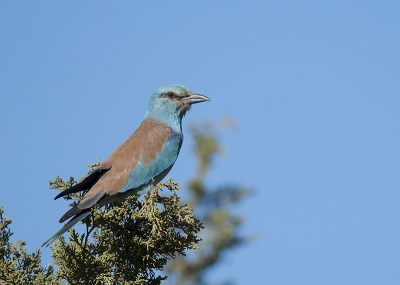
{"x": 142, "y": 174}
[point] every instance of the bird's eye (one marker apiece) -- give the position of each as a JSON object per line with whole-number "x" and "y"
{"x": 170, "y": 94}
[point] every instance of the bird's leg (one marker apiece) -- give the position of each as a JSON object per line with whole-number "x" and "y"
{"x": 145, "y": 203}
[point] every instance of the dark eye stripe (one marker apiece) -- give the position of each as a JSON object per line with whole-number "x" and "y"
{"x": 169, "y": 95}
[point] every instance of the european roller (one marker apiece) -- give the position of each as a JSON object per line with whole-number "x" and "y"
{"x": 149, "y": 153}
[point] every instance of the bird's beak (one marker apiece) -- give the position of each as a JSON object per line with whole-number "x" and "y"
{"x": 196, "y": 98}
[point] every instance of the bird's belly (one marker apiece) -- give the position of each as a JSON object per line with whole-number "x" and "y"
{"x": 146, "y": 188}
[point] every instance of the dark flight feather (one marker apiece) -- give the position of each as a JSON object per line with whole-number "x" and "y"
{"x": 86, "y": 183}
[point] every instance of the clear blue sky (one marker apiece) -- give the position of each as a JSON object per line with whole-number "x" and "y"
{"x": 315, "y": 86}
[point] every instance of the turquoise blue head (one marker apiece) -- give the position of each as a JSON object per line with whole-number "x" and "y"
{"x": 172, "y": 102}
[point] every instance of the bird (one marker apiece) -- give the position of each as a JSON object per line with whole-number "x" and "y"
{"x": 147, "y": 155}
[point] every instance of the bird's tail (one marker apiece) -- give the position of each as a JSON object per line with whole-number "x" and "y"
{"x": 66, "y": 227}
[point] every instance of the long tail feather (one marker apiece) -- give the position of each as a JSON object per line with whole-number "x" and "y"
{"x": 80, "y": 214}
{"x": 66, "y": 227}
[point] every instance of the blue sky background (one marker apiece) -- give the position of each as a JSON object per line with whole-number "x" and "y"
{"x": 314, "y": 86}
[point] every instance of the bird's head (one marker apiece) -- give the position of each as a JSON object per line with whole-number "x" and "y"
{"x": 172, "y": 101}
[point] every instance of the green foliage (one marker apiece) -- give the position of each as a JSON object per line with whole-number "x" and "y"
{"x": 17, "y": 267}
{"x": 127, "y": 243}
{"x": 130, "y": 242}
{"x": 214, "y": 207}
